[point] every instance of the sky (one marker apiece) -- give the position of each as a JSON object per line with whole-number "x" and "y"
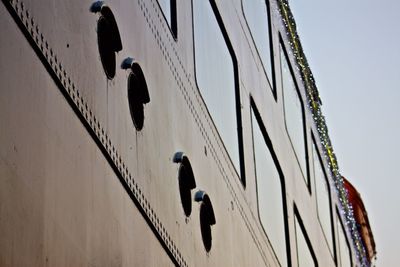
{"x": 353, "y": 50}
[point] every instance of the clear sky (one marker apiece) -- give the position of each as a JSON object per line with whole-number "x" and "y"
{"x": 353, "y": 50}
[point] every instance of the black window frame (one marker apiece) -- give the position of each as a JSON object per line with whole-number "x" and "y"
{"x": 268, "y": 143}
{"x": 297, "y": 217}
{"x": 173, "y": 26}
{"x": 271, "y": 80}
{"x": 339, "y": 218}
{"x": 314, "y": 144}
{"x": 241, "y": 172}
{"x": 307, "y": 179}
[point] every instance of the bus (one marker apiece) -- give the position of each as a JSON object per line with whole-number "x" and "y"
{"x": 167, "y": 133}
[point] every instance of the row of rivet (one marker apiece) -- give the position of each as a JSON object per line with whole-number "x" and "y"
{"x": 198, "y": 121}
{"x": 92, "y": 121}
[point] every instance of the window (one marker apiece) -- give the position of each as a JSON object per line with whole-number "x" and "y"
{"x": 257, "y": 15}
{"x": 323, "y": 194}
{"x": 217, "y": 78}
{"x": 294, "y": 114}
{"x": 305, "y": 254}
{"x": 270, "y": 190}
{"x": 344, "y": 249}
{"x": 168, "y": 7}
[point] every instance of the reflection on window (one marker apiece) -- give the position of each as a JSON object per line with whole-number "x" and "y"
{"x": 168, "y": 7}
{"x": 269, "y": 193}
{"x": 216, "y": 75}
{"x": 304, "y": 255}
{"x": 344, "y": 250}
{"x": 323, "y": 198}
{"x": 258, "y": 19}
{"x": 294, "y": 114}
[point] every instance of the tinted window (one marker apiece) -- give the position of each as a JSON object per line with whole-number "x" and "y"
{"x": 322, "y": 191}
{"x": 258, "y": 19}
{"x": 216, "y": 75}
{"x": 294, "y": 113}
{"x": 269, "y": 193}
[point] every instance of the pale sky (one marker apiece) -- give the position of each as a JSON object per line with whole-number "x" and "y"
{"x": 353, "y": 50}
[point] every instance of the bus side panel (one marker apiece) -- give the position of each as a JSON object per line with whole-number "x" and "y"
{"x": 61, "y": 203}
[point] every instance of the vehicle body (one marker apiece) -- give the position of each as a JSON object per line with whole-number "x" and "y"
{"x": 125, "y": 165}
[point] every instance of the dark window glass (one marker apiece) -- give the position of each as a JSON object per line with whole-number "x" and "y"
{"x": 294, "y": 114}
{"x": 257, "y": 16}
{"x": 216, "y": 76}
{"x": 269, "y": 193}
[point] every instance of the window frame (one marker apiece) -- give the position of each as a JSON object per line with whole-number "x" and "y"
{"x": 306, "y": 175}
{"x": 241, "y": 172}
{"x": 268, "y": 143}
{"x": 297, "y": 217}
{"x": 333, "y": 251}
{"x": 271, "y": 80}
{"x": 338, "y": 251}
{"x": 173, "y": 26}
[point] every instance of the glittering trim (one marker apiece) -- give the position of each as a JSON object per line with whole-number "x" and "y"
{"x": 314, "y": 104}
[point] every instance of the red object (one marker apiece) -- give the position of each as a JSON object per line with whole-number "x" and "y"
{"x": 361, "y": 217}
